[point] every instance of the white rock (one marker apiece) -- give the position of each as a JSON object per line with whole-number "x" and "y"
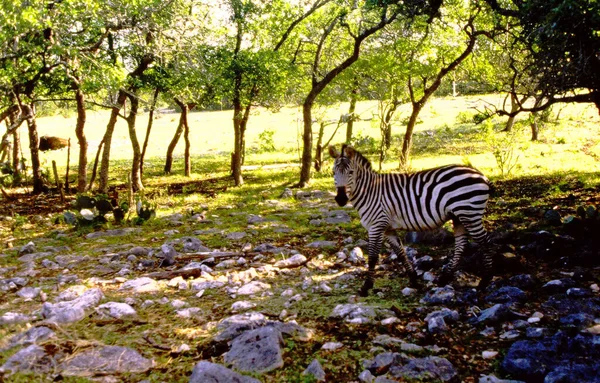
{"x": 188, "y": 312}
{"x": 331, "y": 346}
{"x": 141, "y": 285}
{"x": 390, "y": 320}
{"x": 242, "y": 305}
{"x": 287, "y": 293}
{"x": 115, "y": 310}
{"x": 253, "y": 287}
{"x": 408, "y": 291}
{"x": 489, "y": 354}
{"x": 366, "y": 377}
{"x": 324, "y": 287}
{"x": 178, "y": 303}
{"x": 294, "y": 261}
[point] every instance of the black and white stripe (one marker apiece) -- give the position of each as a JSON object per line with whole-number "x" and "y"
{"x": 417, "y": 202}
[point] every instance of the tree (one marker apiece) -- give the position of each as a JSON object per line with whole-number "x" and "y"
{"x": 441, "y": 58}
{"x": 562, "y": 40}
{"x": 353, "y": 24}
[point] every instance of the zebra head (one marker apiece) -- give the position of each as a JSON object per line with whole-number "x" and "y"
{"x": 341, "y": 172}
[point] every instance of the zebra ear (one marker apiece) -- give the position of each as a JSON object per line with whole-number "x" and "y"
{"x": 349, "y": 151}
{"x": 333, "y": 152}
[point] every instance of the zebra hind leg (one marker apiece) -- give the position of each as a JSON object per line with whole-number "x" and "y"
{"x": 375, "y": 243}
{"x": 397, "y": 247}
{"x": 460, "y": 241}
{"x": 476, "y": 230}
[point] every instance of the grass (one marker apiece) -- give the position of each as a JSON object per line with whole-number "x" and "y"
{"x": 564, "y": 161}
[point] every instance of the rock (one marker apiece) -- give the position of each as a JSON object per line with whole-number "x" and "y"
{"x": 242, "y": 306}
{"x": 436, "y": 321}
{"x": 254, "y": 219}
{"x": 522, "y": 281}
{"x": 559, "y": 358}
{"x": 579, "y": 321}
{"x": 507, "y": 294}
{"x": 112, "y": 233}
{"x": 253, "y": 287}
{"x": 494, "y": 379}
{"x": 256, "y": 351}
{"x": 408, "y": 291}
{"x": 366, "y": 377}
{"x": 236, "y": 236}
{"x": 558, "y": 285}
{"x": 489, "y": 354}
{"x": 168, "y": 253}
{"x": 207, "y": 372}
{"x": 105, "y": 360}
{"x": 354, "y": 313}
{"x": 11, "y": 318}
{"x": 431, "y": 368}
{"x": 440, "y": 296}
{"x": 552, "y": 217}
{"x": 115, "y": 310}
{"x": 287, "y": 193}
{"x": 315, "y": 370}
{"x": 189, "y": 312}
{"x": 73, "y": 310}
{"x": 322, "y": 244}
{"x": 193, "y": 244}
{"x": 382, "y": 362}
{"x": 29, "y": 293}
{"x": 494, "y": 314}
{"x": 31, "y": 336}
{"x": 296, "y": 260}
{"x": 141, "y": 285}
{"x": 356, "y": 256}
{"x": 30, "y": 257}
{"x": 31, "y": 358}
{"x": 331, "y": 346}
{"x": 206, "y": 285}
{"x": 233, "y": 326}
{"x": 338, "y": 216}
{"x": 27, "y": 248}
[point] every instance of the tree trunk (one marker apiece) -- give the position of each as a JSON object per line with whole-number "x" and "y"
{"x": 110, "y": 128}
{"x": 236, "y": 156}
{"x": 169, "y": 158}
{"x": 186, "y": 138}
{"x": 307, "y": 140}
{"x": 319, "y": 149}
{"x": 148, "y": 129}
{"x": 38, "y": 181}
{"x": 81, "y": 140}
{"x": 514, "y": 106}
{"x": 410, "y": 127}
{"x": 136, "y": 175}
{"x": 535, "y": 129}
{"x": 351, "y": 109}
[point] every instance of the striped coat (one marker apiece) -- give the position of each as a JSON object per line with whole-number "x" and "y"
{"x": 416, "y": 202}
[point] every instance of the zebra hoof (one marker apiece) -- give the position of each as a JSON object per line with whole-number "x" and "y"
{"x": 444, "y": 279}
{"x": 364, "y": 290}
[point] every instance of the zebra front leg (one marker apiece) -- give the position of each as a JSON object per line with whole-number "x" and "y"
{"x": 460, "y": 241}
{"x": 398, "y": 248}
{"x": 375, "y": 242}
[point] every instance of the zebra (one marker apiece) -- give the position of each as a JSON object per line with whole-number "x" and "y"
{"x": 420, "y": 201}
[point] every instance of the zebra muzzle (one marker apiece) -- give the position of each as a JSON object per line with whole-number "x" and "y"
{"x": 341, "y": 198}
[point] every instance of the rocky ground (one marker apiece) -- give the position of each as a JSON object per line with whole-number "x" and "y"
{"x": 157, "y": 304}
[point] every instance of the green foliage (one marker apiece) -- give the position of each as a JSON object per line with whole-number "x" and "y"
{"x": 504, "y": 146}
{"x": 266, "y": 143}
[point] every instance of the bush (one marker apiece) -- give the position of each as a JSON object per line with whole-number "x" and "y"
{"x": 266, "y": 143}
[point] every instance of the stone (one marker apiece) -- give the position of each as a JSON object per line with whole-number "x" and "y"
{"x": 315, "y": 370}
{"x": 431, "y": 368}
{"x": 29, "y": 293}
{"x": 253, "y": 287}
{"x": 507, "y": 294}
{"x": 105, "y": 360}
{"x": 141, "y": 285}
{"x": 27, "y": 248}
{"x": 558, "y": 286}
{"x": 73, "y": 310}
{"x": 31, "y": 358}
{"x": 338, "y": 216}
{"x": 256, "y": 351}
{"x": 11, "y": 318}
{"x": 489, "y": 354}
{"x": 382, "y": 362}
{"x": 553, "y": 217}
{"x": 192, "y": 245}
{"x": 236, "y": 236}
{"x": 354, "y": 313}
{"x": 440, "y": 296}
{"x": 366, "y": 377}
{"x": 254, "y": 219}
{"x": 189, "y": 312}
{"x": 494, "y": 314}
{"x": 206, "y": 285}
{"x": 437, "y": 325}
{"x": 322, "y": 244}
{"x": 331, "y": 346}
{"x": 356, "y": 256}
{"x": 207, "y": 372}
{"x": 242, "y": 306}
{"x": 494, "y": 379}
{"x": 115, "y": 310}
{"x": 112, "y": 233}
{"x": 31, "y": 336}
{"x": 295, "y": 260}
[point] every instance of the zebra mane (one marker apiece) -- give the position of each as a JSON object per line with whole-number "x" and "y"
{"x": 360, "y": 160}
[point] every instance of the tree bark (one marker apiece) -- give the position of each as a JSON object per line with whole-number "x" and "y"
{"x": 514, "y": 107}
{"x": 186, "y": 138}
{"x": 136, "y": 175}
{"x": 81, "y": 140}
{"x": 148, "y": 129}
{"x": 182, "y": 127}
{"x": 307, "y": 140}
{"x": 410, "y": 127}
{"x": 351, "y": 109}
{"x": 38, "y": 181}
{"x": 110, "y": 128}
